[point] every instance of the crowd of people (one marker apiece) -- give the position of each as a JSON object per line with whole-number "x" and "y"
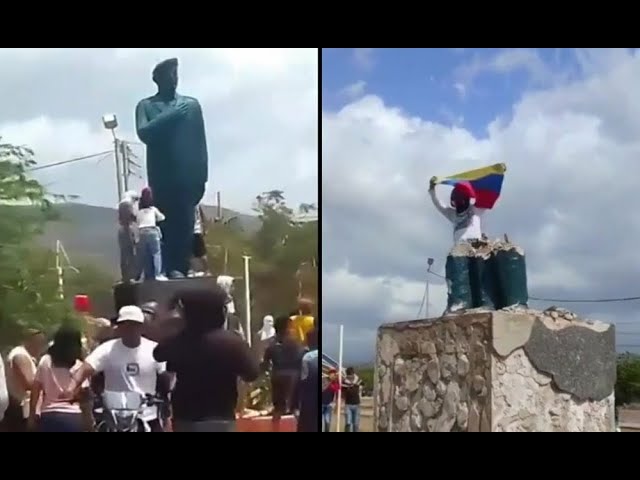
{"x": 181, "y": 352}
{"x": 140, "y": 239}
{"x": 350, "y": 388}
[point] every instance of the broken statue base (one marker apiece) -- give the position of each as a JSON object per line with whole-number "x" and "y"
{"x": 502, "y": 371}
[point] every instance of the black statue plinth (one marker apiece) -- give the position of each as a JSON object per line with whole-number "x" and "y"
{"x": 157, "y": 291}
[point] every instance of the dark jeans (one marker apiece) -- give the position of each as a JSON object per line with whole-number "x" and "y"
{"x": 60, "y": 422}
{"x": 149, "y": 252}
{"x": 127, "y": 240}
{"x": 14, "y": 420}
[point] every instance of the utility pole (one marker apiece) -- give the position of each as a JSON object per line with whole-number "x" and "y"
{"x": 430, "y": 264}
{"x": 116, "y": 145}
{"x": 219, "y": 212}
{"x": 110, "y": 122}
{"x": 247, "y": 298}
{"x": 124, "y": 155}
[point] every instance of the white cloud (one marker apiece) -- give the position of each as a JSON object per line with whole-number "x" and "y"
{"x": 568, "y": 198}
{"x": 505, "y": 62}
{"x": 260, "y": 108}
{"x": 354, "y": 90}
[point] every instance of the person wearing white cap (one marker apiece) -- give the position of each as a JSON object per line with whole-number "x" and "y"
{"x": 127, "y": 363}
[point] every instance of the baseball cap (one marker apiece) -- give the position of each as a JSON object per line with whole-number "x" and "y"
{"x": 130, "y": 313}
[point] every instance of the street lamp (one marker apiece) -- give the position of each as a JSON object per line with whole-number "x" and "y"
{"x": 110, "y": 122}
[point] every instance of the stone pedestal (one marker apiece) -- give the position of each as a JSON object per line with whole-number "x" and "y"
{"x": 500, "y": 371}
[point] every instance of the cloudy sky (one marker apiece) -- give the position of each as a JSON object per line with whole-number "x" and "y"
{"x": 566, "y": 123}
{"x": 260, "y": 108}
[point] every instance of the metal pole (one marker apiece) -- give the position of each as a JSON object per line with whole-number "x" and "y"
{"x": 247, "y": 298}
{"x": 338, "y": 404}
{"x": 125, "y": 164}
{"x": 59, "y": 272}
{"x": 219, "y": 212}
{"x": 427, "y": 298}
{"x": 117, "y": 159}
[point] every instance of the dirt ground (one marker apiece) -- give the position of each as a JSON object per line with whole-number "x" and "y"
{"x": 366, "y": 416}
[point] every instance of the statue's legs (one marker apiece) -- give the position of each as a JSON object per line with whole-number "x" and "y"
{"x": 178, "y": 205}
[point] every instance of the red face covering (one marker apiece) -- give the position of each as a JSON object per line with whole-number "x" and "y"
{"x": 461, "y": 197}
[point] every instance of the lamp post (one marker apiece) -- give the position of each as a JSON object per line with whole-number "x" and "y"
{"x": 110, "y": 122}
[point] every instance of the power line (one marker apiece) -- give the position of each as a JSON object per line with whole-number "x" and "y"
{"x": 72, "y": 160}
{"x": 561, "y": 300}
{"x": 596, "y": 300}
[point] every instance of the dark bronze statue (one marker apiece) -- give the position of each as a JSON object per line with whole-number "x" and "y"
{"x": 172, "y": 128}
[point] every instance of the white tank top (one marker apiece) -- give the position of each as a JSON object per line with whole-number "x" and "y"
{"x": 15, "y": 388}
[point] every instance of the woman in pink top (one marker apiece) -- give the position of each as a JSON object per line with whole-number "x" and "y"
{"x": 52, "y": 379}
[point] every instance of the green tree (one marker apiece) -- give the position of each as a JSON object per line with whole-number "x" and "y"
{"x": 27, "y": 287}
{"x": 283, "y": 256}
{"x": 366, "y": 375}
{"x": 628, "y": 379}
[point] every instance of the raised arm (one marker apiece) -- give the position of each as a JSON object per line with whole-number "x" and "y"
{"x": 436, "y": 202}
{"x": 147, "y": 128}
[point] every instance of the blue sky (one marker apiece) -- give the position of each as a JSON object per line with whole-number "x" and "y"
{"x": 566, "y": 122}
{"x": 452, "y": 86}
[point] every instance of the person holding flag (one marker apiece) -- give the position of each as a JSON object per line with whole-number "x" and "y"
{"x": 473, "y": 193}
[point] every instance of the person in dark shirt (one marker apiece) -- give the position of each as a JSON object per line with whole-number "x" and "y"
{"x": 284, "y": 358}
{"x": 351, "y": 387}
{"x": 207, "y": 361}
{"x": 308, "y": 418}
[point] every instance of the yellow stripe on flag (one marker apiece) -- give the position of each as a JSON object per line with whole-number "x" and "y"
{"x": 498, "y": 168}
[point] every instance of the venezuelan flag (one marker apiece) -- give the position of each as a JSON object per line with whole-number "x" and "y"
{"x": 486, "y": 182}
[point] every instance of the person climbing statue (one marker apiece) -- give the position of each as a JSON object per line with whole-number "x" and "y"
{"x": 463, "y": 213}
{"x": 128, "y": 236}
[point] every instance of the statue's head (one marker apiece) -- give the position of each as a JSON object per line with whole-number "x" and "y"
{"x": 165, "y": 75}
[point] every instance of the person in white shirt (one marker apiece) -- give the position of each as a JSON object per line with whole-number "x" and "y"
{"x": 4, "y": 393}
{"x": 21, "y": 367}
{"x": 199, "y": 250}
{"x": 127, "y": 363}
{"x": 462, "y": 212}
{"x": 149, "y": 248}
{"x": 128, "y": 236}
{"x": 225, "y": 282}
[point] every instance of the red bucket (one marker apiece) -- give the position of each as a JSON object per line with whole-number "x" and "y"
{"x": 82, "y": 304}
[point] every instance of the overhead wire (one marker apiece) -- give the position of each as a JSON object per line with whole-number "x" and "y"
{"x": 564, "y": 300}
{"x": 71, "y": 160}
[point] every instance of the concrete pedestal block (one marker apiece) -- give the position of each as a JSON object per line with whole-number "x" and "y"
{"x": 502, "y": 371}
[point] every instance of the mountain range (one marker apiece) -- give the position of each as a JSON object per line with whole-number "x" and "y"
{"x": 89, "y": 233}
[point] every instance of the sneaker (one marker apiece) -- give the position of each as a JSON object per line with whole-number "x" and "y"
{"x": 161, "y": 278}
